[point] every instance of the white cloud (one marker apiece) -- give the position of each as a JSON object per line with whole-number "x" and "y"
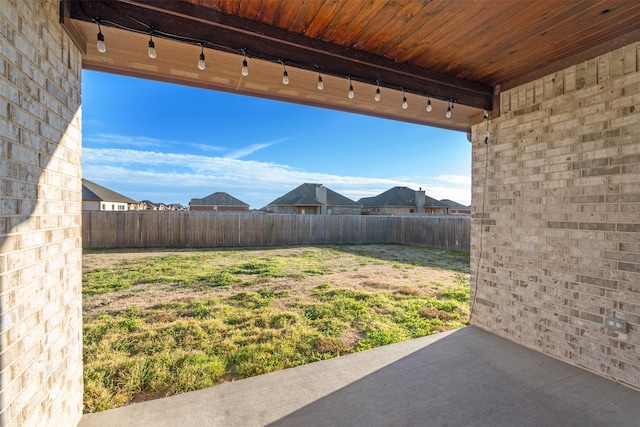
{"x": 115, "y": 140}
{"x": 206, "y": 147}
{"x": 252, "y": 149}
{"x": 129, "y": 141}
{"x": 176, "y": 178}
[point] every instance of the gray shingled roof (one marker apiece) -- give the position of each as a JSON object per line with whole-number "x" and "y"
{"x": 454, "y": 205}
{"x": 431, "y": 202}
{"x": 305, "y": 195}
{"x": 398, "y": 197}
{"x": 94, "y": 192}
{"x": 217, "y": 199}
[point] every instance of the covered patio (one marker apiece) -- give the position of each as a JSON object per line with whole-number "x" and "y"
{"x": 466, "y": 377}
{"x": 548, "y": 93}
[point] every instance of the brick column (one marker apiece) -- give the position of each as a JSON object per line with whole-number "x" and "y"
{"x": 556, "y": 216}
{"x": 40, "y": 218}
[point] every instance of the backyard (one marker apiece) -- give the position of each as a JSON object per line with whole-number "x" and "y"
{"x": 162, "y": 322}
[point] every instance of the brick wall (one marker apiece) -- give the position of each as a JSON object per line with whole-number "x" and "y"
{"x": 40, "y": 218}
{"x": 344, "y": 210}
{"x": 556, "y": 216}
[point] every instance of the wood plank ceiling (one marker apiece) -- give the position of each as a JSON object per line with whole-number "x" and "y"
{"x": 439, "y": 50}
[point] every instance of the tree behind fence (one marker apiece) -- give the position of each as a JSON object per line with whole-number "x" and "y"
{"x": 136, "y": 229}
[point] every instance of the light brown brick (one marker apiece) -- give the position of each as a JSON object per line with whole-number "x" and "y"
{"x": 39, "y": 116}
{"x": 565, "y": 245}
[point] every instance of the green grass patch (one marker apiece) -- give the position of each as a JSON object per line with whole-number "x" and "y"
{"x": 222, "y": 326}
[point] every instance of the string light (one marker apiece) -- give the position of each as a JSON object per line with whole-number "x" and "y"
{"x": 201, "y": 63}
{"x": 285, "y": 75}
{"x": 152, "y": 47}
{"x": 320, "y": 82}
{"x": 245, "y": 64}
{"x": 102, "y": 48}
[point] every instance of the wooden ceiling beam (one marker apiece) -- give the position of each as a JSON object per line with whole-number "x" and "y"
{"x": 221, "y": 31}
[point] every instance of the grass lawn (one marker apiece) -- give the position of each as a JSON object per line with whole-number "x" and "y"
{"x": 161, "y": 322}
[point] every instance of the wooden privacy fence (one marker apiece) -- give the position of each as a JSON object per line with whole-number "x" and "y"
{"x": 136, "y": 229}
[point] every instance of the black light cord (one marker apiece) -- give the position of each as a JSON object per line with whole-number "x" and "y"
{"x": 482, "y": 212}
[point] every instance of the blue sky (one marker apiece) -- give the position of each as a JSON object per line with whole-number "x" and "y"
{"x": 170, "y": 143}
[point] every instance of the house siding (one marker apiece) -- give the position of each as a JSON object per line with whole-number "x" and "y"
{"x": 90, "y": 206}
{"x": 105, "y": 206}
{"x": 556, "y": 247}
{"x": 387, "y": 210}
{"x": 299, "y": 210}
{"x": 343, "y": 210}
{"x": 314, "y": 210}
{"x": 382, "y": 210}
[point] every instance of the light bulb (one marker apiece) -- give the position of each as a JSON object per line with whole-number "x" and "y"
{"x": 429, "y": 107}
{"x": 102, "y": 48}
{"x": 201, "y": 64}
{"x": 448, "y": 114}
{"x": 377, "y": 97}
{"x": 285, "y": 75}
{"x": 152, "y": 50}
{"x": 351, "y": 93}
{"x": 320, "y": 82}
{"x": 405, "y": 104}
{"x": 245, "y": 67}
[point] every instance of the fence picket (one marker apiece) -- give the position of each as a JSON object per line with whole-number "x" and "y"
{"x": 202, "y": 229}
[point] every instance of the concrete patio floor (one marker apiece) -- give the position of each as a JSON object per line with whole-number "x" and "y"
{"x": 466, "y": 377}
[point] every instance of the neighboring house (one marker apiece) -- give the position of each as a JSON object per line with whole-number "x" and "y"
{"x": 176, "y": 207}
{"x": 402, "y": 201}
{"x": 98, "y": 198}
{"x": 457, "y": 208}
{"x": 218, "y": 202}
{"x": 314, "y": 199}
{"x": 148, "y": 205}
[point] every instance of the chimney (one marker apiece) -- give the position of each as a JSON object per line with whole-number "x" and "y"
{"x": 420, "y": 200}
{"x": 321, "y": 196}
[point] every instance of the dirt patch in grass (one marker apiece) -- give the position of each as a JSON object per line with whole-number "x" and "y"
{"x": 159, "y": 322}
